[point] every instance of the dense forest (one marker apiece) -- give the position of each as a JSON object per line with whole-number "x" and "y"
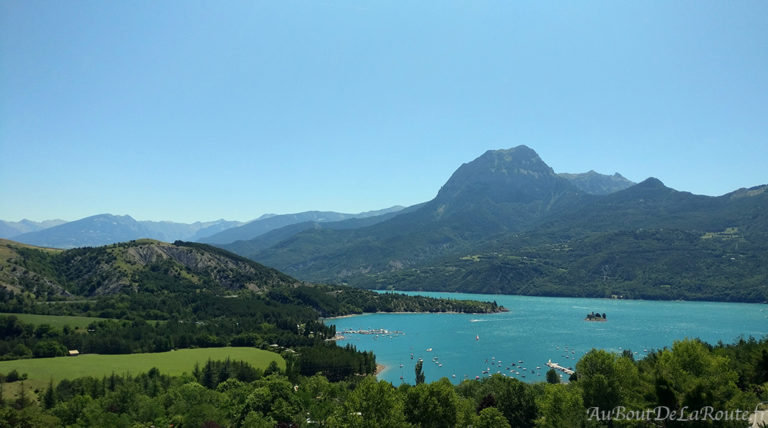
{"x": 653, "y": 264}
{"x": 711, "y": 385}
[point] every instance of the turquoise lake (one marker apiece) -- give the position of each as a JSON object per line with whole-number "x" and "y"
{"x": 539, "y": 329}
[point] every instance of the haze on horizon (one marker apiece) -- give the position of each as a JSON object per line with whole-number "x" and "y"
{"x": 193, "y": 111}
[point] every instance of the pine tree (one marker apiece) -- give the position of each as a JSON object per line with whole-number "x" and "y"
{"x": 552, "y": 376}
{"x": 49, "y": 398}
{"x": 209, "y": 377}
{"x": 419, "y": 373}
{"x": 22, "y": 401}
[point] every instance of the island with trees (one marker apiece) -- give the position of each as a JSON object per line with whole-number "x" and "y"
{"x": 595, "y": 316}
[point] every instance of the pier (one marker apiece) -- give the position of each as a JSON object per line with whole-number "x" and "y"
{"x": 376, "y": 331}
{"x": 556, "y": 366}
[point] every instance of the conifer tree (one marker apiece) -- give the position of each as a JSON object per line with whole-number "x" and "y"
{"x": 419, "y": 373}
{"x": 49, "y": 398}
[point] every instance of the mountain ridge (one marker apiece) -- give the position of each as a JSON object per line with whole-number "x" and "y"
{"x": 595, "y": 183}
{"x": 269, "y": 222}
{"x": 140, "y": 265}
{"x": 105, "y": 229}
{"x": 510, "y": 202}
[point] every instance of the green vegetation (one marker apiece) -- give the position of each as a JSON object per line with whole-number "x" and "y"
{"x": 641, "y": 264}
{"x": 233, "y": 393}
{"x": 55, "y": 321}
{"x": 105, "y": 302}
{"x": 42, "y": 370}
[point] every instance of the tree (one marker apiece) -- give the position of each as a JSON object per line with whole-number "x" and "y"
{"x": 552, "y": 376}
{"x": 560, "y": 406}
{"x": 419, "y": 372}
{"x": 192, "y": 404}
{"x": 514, "y": 399}
{"x": 49, "y": 398}
{"x": 491, "y": 417}
{"x": 695, "y": 375}
{"x": 598, "y": 381}
{"x": 432, "y": 405}
{"x": 23, "y": 400}
{"x": 372, "y": 404}
{"x": 49, "y": 348}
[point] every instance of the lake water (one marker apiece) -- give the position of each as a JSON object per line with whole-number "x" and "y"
{"x": 537, "y": 329}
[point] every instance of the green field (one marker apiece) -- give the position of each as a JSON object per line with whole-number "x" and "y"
{"x": 41, "y": 370}
{"x": 56, "y": 321}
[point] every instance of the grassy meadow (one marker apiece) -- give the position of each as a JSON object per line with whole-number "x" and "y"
{"x": 41, "y": 370}
{"x": 56, "y": 321}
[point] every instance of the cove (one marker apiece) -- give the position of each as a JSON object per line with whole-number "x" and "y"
{"x": 536, "y": 330}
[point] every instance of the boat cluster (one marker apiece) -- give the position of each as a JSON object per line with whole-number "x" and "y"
{"x": 374, "y": 331}
{"x": 510, "y": 369}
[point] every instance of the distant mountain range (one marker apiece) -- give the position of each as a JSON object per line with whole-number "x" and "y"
{"x": 9, "y": 229}
{"x": 104, "y": 229}
{"x": 507, "y": 223}
{"x": 502, "y": 223}
{"x": 271, "y": 222}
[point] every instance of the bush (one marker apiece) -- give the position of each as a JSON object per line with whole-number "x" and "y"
{"x": 49, "y": 348}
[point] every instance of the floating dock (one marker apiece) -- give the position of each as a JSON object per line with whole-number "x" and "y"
{"x": 556, "y": 366}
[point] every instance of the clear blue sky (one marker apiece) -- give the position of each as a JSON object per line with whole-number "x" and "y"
{"x": 185, "y": 110}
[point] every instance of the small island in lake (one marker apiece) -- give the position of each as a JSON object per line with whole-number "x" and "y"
{"x": 595, "y": 316}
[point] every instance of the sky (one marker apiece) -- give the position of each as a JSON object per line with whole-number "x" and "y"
{"x": 200, "y": 110}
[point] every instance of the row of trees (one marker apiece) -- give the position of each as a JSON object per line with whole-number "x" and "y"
{"x": 690, "y": 375}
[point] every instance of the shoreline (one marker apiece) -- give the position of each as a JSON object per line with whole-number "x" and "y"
{"x": 679, "y": 299}
{"x": 420, "y": 312}
{"x": 380, "y": 368}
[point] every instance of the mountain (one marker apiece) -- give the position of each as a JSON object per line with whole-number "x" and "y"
{"x": 9, "y": 229}
{"x": 96, "y": 230}
{"x": 169, "y": 231}
{"x": 106, "y": 229}
{"x": 271, "y": 222}
{"x": 502, "y": 191}
{"x": 275, "y": 236}
{"x": 207, "y": 229}
{"x": 143, "y": 265}
{"x": 148, "y": 279}
{"x": 506, "y": 223}
{"x": 647, "y": 242}
{"x": 598, "y": 184}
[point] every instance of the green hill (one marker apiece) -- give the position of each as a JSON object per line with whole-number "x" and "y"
{"x": 143, "y": 265}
